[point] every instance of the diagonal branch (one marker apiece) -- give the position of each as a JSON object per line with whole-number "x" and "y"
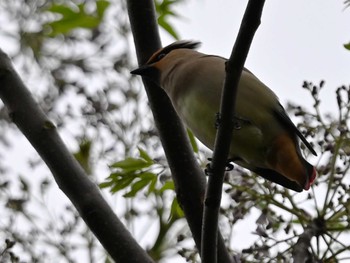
{"x": 69, "y": 175}
{"x": 234, "y": 66}
{"x": 187, "y": 175}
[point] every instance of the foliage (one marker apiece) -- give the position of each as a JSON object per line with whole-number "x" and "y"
{"x": 139, "y": 176}
{"x": 347, "y": 46}
{"x": 74, "y": 16}
{"x": 165, "y": 11}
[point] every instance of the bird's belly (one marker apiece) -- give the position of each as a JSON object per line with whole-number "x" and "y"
{"x": 247, "y": 141}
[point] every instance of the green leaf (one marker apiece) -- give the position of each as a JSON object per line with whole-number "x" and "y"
{"x": 169, "y": 185}
{"x": 131, "y": 164}
{"x": 130, "y": 173}
{"x": 145, "y": 179}
{"x": 136, "y": 187}
{"x": 147, "y": 175}
{"x": 67, "y": 24}
{"x": 73, "y": 17}
{"x": 164, "y": 24}
{"x": 121, "y": 184}
{"x": 117, "y": 175}
{"x": 347, "y": 46}
{"x": 65, "y": 11}
{"x": 106, "y": 184}
{"x": 192, "y": 141}
{"x": 165, "y": 12}
{"x": 101, "y": 7}
{"x": 83, "y": 155}
{"x": 152, "y": 186}
{"x": 163, "y": 7}
{"x": 175, "y": 211}
{"x": 145, "y": 156}
{"x": 343, "y": 226}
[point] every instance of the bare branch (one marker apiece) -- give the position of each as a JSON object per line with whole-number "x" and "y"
{"x": 69, "y": 175}
{"x": 187, "y": 175}
{"x": 234, "y": 66}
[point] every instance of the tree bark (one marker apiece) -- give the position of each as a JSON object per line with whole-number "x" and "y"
{"x": 234, "y": 67}
{"x": 69, "y": 175}
{"x": 188, "y": 176}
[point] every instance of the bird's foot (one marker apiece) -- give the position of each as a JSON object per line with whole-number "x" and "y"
{"x": 209, "y": 170}
{"x": 217, "y": 120}
{"x": 229, "y": 165}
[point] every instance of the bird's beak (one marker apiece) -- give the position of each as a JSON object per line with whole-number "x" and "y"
{"x": 149, "y": 71}
{"x": 142, "y": 71}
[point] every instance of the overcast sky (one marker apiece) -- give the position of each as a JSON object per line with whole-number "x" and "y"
{"x": 297, "y": 40}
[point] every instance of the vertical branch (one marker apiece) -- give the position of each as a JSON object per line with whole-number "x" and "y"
{"x": 234, "y": 66}
{"x": 187, "y": 175}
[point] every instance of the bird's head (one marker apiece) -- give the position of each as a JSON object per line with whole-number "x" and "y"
{"x": 163, "y": 60}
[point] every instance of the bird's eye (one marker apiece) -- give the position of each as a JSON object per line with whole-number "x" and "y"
{"x": 160, "y": 56}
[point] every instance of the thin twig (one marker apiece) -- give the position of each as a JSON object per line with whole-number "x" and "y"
{"x": 234, "y": 66}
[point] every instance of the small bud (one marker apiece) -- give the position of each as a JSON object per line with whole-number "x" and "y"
{"x": 322, "y": 83}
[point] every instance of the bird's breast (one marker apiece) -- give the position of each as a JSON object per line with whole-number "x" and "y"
{"x": 199, "y": 112}
{"x": 195, "y": 89}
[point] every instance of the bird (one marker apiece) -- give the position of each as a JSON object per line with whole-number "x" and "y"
{"x": 264, "y": 140}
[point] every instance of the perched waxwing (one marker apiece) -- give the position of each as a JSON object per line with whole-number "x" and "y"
{"x": 264, "y": 140}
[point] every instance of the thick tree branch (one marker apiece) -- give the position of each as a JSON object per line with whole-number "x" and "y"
{"x": 187, "y": 175}
{"x": 234, "y": 66}
{"x": 70, "y": 177}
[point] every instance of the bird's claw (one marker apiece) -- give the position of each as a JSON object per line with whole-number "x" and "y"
{"x": 229, "y": 167}
{"x": 217, "y": 120}
{"x": 208, "y": 169}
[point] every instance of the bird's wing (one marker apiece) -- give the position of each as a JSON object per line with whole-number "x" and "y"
{"x": 270, "y": 175}
{"x": 277, "y": 178}
{"x": 283, "y": 117}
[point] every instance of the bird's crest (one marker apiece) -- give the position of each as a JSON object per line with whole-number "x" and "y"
{"x": 176, "y": 45}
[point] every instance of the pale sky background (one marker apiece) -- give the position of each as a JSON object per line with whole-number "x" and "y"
{"x": 297, "y": 40}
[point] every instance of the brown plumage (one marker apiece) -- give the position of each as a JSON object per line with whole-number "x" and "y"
{"x": 265, "y": 140}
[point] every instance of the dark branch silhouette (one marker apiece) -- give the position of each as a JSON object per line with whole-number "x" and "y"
{"x": 187, "y": 175}
{"x": 69, "y": 175}
{"x": 234, "y": 66}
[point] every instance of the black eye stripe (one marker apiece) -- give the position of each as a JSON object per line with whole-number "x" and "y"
{"x": 160, "y": 56}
